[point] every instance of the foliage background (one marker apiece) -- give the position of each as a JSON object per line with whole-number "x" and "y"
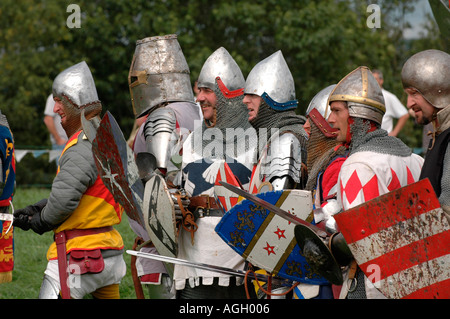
{"x": 321, "y": 41}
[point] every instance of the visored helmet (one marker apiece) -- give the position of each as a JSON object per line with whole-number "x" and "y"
{"x": 159, "y": 73}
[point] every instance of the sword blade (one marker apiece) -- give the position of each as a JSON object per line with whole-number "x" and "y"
{"x": 274, "y": 209}
{"x": 219, "y": 269}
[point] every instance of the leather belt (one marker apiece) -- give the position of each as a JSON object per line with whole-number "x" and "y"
{"x": 60, "y": 239}
{"x": 204, "y": 206}
{"x": 203, "y": 201}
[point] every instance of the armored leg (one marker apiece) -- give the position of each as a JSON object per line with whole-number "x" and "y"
{"x": 163, "y": 290}
{"x": 49, "y": 288}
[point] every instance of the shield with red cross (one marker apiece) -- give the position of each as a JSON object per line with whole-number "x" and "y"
{"x": 267, "y": 240}
{"x": 117, "y": 167}
{"x": 401, "y": 242}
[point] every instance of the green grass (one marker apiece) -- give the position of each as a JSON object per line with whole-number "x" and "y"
{"x": 30, "y": 253}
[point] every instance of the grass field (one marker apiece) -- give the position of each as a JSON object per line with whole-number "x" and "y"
{"x": 30, "y": 254}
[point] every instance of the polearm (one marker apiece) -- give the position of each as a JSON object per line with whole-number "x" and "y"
{"x": 276, "y": 210}
{"x": 219, "y": 269}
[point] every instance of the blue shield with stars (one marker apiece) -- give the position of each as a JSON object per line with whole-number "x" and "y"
{"x": 267, "y": 240}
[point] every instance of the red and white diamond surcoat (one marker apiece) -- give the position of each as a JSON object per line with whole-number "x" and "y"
{"x": 366, "y": 175}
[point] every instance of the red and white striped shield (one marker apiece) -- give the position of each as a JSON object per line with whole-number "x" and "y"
{"x": 401, "y": 242}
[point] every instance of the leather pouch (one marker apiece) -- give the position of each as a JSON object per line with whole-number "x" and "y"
{"x": 86, "y": 261}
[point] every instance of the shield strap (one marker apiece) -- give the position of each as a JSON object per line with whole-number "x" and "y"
{"x": 187, "y": 221}
{"x": 137, "y": 283}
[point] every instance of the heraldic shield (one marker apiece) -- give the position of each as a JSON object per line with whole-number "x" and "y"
{"x": 159, "y": 216}
{"x": 401, "y": 242}
{"x": 226, "y": 198}
{"x": 117, "y": 168}
{"x": 267, "y": 240}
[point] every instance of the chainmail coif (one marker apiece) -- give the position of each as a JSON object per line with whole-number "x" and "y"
{"x": 229, "y": 114}
{"x": 320, "y": 151}
{"x": 286, "y": 121}
{"x": 377, "y": 141}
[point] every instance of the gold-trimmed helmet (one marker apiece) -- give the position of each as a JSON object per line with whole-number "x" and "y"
{"x": 362, "y": 93}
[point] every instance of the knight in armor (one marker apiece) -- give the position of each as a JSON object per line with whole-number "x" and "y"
{"x": 161, "y": 91}
{"x": 270, "y": 99}
{"x": 7, "y": 185}
{"x": 426, "y": 80}
{"x": 220, "y": 85}
{"x": 376, "y": 163}
{"x": 325, "y": 156}
{"x": 87, "y": 255}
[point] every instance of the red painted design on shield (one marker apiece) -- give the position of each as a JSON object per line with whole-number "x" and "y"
{"x": 270, "y": 249}
{"x": 280, "y": 233}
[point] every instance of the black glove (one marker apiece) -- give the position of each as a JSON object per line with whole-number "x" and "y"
{"x": 22, "y": 217}
{"x": 38, "y": 225}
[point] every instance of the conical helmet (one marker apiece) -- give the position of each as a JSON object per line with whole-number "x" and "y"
{"x": 362, "y": 93}
{"x": 320, "y": 100}
{"x": 272, "y": 80}
{"x": 159, "y": 73}
{"x": 77, "y": 85}
{"x": 429, "y": 73}
{"x": 221, "y": 64}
